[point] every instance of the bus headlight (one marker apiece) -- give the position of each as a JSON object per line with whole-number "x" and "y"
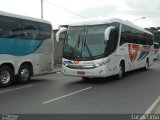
{"x": 65, "y": 64}
{"x": 97, "y": 65}
{"x": 102, "y": 63}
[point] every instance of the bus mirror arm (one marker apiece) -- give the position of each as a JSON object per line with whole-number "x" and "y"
{"x": 107, "y": 33}
{"x": 63, "y": 29}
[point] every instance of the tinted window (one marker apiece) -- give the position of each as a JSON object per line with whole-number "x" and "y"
{"x": 128, "y": 35}
{"x": 9, "y": 27}
{"x": 44, "y": 31}
{"x": 131, "y": 35}
{"x": 29, "y": 30}
{"x": 23, "y": 29}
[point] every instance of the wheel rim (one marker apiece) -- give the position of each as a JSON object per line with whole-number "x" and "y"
{"x": 24, "y": 74}
{"x": 5, "y": 77}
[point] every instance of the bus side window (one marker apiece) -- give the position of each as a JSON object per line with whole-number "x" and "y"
{"x": 29, "y": 30}
{"x": 44, "y": 31}
{"x": 9, "y": 27}
{"x": 124, "y": 35}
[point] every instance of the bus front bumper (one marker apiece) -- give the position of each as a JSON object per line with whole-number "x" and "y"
{"x": 100, "y": 71}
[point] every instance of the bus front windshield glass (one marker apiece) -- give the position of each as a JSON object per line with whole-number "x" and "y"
{"x": 84, "y": 43}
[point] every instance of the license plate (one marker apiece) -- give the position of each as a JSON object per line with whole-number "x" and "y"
{"x": 80, "y": 73}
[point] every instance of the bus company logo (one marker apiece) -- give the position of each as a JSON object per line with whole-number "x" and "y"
{"x": 72, "y": 62}
{"x": 133, "y": 51}
{"x": 76, "y": 62}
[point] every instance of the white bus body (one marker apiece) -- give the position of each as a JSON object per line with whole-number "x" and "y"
{"x": 26, "y": 48}
{"x": 102, "y": 48}
{"x": 156, "y": 50}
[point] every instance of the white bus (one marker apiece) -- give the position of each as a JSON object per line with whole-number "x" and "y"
{"x": 102, "y": 48}
{"x": 156, "y": 50}
{"x": 26, "y": 48}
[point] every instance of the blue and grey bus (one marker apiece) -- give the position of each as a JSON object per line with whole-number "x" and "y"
{"x": 26, "y": 48}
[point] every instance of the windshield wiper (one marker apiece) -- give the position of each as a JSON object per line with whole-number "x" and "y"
{"x": 77, "y": 44}
{"x": 85, "y": 44}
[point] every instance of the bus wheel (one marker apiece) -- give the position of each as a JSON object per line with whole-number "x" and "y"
{"x": 6, "y": 76}
{"x": 120, "y": 72}
{"x": 24, "y": 74}
{"x": 147, "y": 65}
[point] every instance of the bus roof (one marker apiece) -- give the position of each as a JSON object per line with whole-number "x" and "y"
{"x": 104, "y": 21}
{"x": 23, "y": 17}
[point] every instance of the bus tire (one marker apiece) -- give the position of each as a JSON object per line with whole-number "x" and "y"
{"x": 24, "y": 74}
{"x": 146, "y": 65}
{"x": 120, "y": 71}
{"x": 6, "y": 76}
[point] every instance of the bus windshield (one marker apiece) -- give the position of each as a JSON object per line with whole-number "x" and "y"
{"x": 85, "y": 42}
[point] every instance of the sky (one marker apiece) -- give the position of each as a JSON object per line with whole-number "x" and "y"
{"x": 61, "y": 12}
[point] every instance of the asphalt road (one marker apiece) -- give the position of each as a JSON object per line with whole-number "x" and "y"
{"x": 60, "y": 94}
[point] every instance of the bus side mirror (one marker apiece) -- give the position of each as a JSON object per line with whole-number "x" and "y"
{"x": 107, "y": 33}
{"x": 63, "y": 29}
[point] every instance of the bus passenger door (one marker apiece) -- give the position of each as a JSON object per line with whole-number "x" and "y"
{"x": 111, "y": 50}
